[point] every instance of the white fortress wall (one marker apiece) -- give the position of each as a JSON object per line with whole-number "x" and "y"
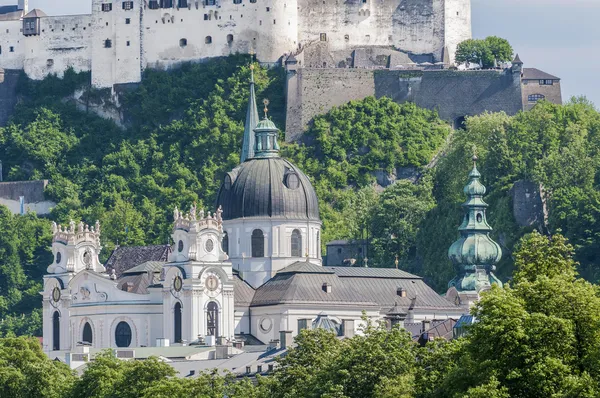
{"x": 11, "y": 37}
{"x": 63, "y": 42}
{"x": 171, "y": 36}
{"x": 418, "y": 26}
{"x": 458, "y": 24}
{"x": 346, "y": 24}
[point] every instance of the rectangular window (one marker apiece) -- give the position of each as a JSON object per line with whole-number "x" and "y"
{"x": 302, "y": 324}
{"x": 11, "y": 49}
{"x": 546, "y": 82}
{"x": 153, "y": 5}
{"x": 128, "y": 43}
{"x": 268, "y": 9}
{"x": 128, "y": 5}
{"x": 107, "y": 7}
{"x": 107, "y": 43}
{"x": 127, "y": 21}
{"x": 323, "y": 37}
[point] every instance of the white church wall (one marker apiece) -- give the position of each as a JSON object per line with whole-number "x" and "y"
{"x": 40, "y": 208}
{"x": 277, "y": 234}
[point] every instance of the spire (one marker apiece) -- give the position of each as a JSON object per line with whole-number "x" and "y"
{"x": 266, "y": 134}
{"x": 251, "y": 122}
{"x": 475, "y": 254}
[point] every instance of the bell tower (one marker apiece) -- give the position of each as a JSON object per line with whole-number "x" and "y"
{"x": 474, "y": 254}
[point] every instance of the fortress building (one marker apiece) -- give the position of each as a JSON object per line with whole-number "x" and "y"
{"x": 119, "y": 39}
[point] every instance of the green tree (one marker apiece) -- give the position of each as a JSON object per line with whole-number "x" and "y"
{"x": 25, "y": 371}
{"x": 487, "y": 52}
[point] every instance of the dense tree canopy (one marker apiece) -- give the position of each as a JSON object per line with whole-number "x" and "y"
{"x": 487, "y": 53}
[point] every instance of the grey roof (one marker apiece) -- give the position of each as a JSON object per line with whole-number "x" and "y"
{"x": 33, "y": 191}
{"x": 139, "y": 282}
{"x": 517, "y": 60}
{"x": 125, "y": 258}
{"x": 251, "y": 122}
{"x": 35, "y": 13}
{"x": 294, "y": 286}
{"x": 302, "y": 282}
{"x": 362, "y": 272}
{"x": 7, "y": 9}
{"x": 148, "y": 266}
{"x": 258, "y": 190}
{"x": 347, "y": 242}
{"x": 243, "y": 292}
{"x": 536, "y": 74}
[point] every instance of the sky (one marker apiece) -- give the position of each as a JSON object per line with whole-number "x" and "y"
{"x": 561, "y": 37}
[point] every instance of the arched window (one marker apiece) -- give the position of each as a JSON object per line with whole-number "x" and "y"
{"x": 225, "y": 242}
{"x": 258, "y": 243}
{"x": 177, "y": 319}
{"x": 535, "y": 97}
{"x": 123, "y": 334}
{"x": 208, "y": 40}
{"x": 229, "y": 38}
{"x": 56, "y": 331}
{"x": 212, "y": 319}
{"x": 87, "y": 333}
{"x": 296, "y": 243}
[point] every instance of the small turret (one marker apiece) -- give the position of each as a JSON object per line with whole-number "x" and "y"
{"x": 75, "y": 248}
{"x": 517, "y": 64}
{"x": 266, "y": 137}
{"x": 475, "y": 254}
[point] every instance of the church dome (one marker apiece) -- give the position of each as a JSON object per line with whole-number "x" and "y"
{"x": 268, "y": 187}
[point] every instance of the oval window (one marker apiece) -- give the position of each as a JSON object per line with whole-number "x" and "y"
{"x": 227, "y": 182}
{"x": 292, "y": 181}
{"x": 209, "y": 245}
{"x": 58, "y": 257}
{"x": 180, "y": 246}
{"x": 479, "y": 217}
{"x": 123, "y": 334}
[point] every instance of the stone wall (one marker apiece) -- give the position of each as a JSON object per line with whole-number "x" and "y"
{"x": 551, "y": 92}
{"x": 8, "y": 95}
{"x": 454, "y": 94}
{"x": 529, "y": 205}
{"x": 32, "y": 193}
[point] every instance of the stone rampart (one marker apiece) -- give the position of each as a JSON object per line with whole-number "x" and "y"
{"x": 454, "y": 94}
{"x": 32, "y": 193}
{"x": 8, "y": 95}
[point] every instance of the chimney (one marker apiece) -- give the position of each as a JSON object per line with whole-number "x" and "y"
{"x": 327, "y": 287}
{"x": 274, "y": 344}
{"x": 426, "y": 325}
{"x": 348, "y": 327}
{"x": 285, "y": 337}
{"x": 222, "y": 352}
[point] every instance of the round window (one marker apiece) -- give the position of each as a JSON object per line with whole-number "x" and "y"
{"x": 265, "y": 325}
{"x": 292, "y": 181}
{"x": 58, "y": 257}
{"x": 209, "y": 245}
{"x": 180, "y": 246}
{"x": 227, "y": 182}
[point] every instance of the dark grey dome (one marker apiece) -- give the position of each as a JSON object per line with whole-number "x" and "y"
{"x": 267, "y": 187}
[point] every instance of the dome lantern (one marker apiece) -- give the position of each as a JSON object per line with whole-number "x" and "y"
{"x": 266, "y": 145}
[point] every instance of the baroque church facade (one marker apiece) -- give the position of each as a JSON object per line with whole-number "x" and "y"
{"x": 249, "y": 273}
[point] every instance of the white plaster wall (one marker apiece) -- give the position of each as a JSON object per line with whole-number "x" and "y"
{"x": 257, "y": 271}
{"x": 268, "y": 33}
{"x": 458, "y": 24}
{"x": 63, "y": 42}
{"x": 10, "y": 36}
{"x": 38, "y": 207}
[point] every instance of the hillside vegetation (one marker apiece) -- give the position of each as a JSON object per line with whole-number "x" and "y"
{"x": 184, "y": 132}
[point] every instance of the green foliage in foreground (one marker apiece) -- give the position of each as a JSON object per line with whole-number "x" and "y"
{"x": 539, "y": 337}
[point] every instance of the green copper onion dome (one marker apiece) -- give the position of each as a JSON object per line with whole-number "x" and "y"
{"x": 475, "y": 254}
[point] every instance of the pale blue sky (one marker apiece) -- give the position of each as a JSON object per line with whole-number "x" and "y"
{"x": 561, "y": 37}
